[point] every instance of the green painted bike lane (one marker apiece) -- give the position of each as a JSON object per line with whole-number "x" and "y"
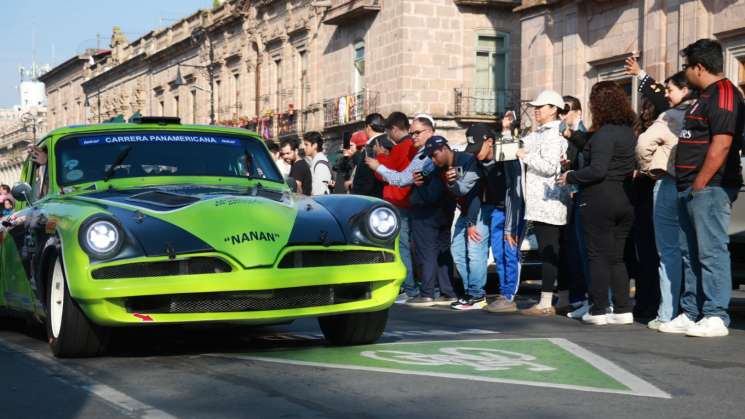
{"x": 548, "y": 362}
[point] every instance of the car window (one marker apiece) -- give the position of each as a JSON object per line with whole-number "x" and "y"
{"x": 90, "y": 158}
{"x": 39, "y": 181}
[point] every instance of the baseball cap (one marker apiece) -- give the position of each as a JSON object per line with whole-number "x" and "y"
{"x": 548, "y": 97}
{"x": 433, "y": 144}
{"x": 359, "y": 139}
{"x": 476, "y": 135}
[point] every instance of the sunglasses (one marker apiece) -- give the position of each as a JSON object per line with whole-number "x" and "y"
{"x": 416, "y": 133}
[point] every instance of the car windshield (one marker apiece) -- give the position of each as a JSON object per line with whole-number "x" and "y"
{"x": 91, "y": 158}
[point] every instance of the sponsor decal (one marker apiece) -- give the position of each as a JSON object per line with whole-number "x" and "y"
{"x": 158, "y": 138}
{"x": 250, "y": 236}
{"x": 143, "y": 317}
{"x": 686, "y": 134}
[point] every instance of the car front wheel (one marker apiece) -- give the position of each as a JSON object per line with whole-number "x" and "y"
{"x": 355, "y": 328}
{"x": 70, "y": 333}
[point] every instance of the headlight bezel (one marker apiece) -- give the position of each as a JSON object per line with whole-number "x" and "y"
{"x": 91, "y": 249}
{"x": 364, "y": 229}
{"x": 386, "y": 213}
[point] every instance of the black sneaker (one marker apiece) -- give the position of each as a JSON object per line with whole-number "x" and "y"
{"x": 469, "y": 303}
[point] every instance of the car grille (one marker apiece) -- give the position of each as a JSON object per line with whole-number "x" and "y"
{"x": 319, "y": 258}
{"x": 230, "y": 302}
{"x": 191, "y": 266}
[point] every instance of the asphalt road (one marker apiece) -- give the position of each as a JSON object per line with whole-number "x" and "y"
{"x": 214, "y": 373}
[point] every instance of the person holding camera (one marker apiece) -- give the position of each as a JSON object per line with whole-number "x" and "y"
{"x": 364, "y": 181}
{"x": 432, "y": 211}
{"x": 546, "y": 202}
{"x": 470, "y": 243}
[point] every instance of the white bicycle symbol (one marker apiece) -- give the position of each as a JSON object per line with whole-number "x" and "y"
{"x": 480, "y": 359}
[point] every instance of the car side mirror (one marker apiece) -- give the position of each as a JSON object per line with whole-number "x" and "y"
{"x": 291, "y": 183}
{"x": 21, "y": 192}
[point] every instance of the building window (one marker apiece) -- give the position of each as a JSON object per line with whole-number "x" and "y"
{"x": 177, "y": 106}
{"x": 614, "y": 71}
{"x": 491, "y": 74}
{"x": 359, "y": 66}
{"x": 277, "y": 84}
{"x": 161, "y": 107}
{"x": 236, "y": 92}
{"x": 741, "y": 73}
{"x": 194, "y": 106}
{"x": 218, "y": 96}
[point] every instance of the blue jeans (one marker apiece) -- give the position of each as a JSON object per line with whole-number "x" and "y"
{"x": 704, "y": 217}
{"x": 667, "y": 239}
{"x": 404, "y": 244}
{"x": 506, "y": 257}
{"x": 471, "y": 257}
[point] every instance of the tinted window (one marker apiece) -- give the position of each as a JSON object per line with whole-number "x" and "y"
{"x": 83, "y": 159}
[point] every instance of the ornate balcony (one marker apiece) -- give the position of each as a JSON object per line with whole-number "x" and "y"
{"x": 345, "y": 11}
{"x": 349, "y": 109}
{"x": 484, "y": 103}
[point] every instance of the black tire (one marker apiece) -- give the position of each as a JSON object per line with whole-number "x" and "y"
{"x": 354, "y": 329}
{"x": 78, "y": 337}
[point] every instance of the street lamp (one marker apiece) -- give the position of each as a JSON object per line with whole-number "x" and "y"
{"x": 179, "y": 81}
{"x": 28, "y": 117}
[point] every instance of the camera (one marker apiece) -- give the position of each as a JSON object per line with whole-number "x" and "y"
{"x": 505, "y": 149}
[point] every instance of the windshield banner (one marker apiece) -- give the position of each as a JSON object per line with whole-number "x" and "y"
{"x": 158, "y": 138}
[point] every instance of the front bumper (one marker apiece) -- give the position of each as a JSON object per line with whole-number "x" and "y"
{"x": 107, "y": 302}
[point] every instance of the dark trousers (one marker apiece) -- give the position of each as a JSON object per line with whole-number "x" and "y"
{"x": 607, "y": 216}
{"x": 432, "y": 256}
{"x": 576, "y": 253}
{"x": 647, "y": 276}
{"x": 551, "y": 251}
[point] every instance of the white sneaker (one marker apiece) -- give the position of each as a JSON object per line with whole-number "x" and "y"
{"x": 655, "y": 324}
{"x": 401, "y": 299}
{"x": 598, "y": 320}
{"x": 678, "y": 325}
{"x": 581, "y": 311}
{"x": 708, "y": 327}
{"x": 621, "y": 318}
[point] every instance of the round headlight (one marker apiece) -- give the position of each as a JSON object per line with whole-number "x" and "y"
{"x": 102, "y": 238}
{"x": 383, "y": 222}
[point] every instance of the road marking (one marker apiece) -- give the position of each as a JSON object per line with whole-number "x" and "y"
{"x": 70, "y": 376}
{"x": 542, "y": 362}
{"x": 394, "y": 334}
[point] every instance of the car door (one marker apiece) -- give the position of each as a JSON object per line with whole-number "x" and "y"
{"x": 20, "y": 245}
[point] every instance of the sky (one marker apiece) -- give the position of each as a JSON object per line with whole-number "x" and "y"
{"x": 60, "y": 29}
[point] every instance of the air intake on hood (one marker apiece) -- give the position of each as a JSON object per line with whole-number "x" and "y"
{"x": 163, "y": 199}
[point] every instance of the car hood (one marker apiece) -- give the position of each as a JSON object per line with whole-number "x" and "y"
{"x": 252, "y": 226}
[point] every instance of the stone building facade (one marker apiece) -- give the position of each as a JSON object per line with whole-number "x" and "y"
{"x": 568, "y": 45}
{"x": 286, "y": 66}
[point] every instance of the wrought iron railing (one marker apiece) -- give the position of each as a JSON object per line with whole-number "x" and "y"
{"x": 484, "y": 103}
{"x": 349, "y": 109}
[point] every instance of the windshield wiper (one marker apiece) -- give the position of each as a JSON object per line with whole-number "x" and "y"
{"x": 119, "y": 160}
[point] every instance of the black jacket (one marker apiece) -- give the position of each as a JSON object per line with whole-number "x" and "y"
{"x": 610, "y": 155}
{"x": 364, "y": 182}
{"x": 431, "y": 201}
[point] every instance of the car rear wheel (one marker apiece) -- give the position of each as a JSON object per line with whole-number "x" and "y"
{"x": 354, "y": 329}
{"x": 69, "y": 332}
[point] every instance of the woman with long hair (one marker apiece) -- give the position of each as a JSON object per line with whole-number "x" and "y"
{"x": 656, "y": 153}
{"x": 606, "y": 210}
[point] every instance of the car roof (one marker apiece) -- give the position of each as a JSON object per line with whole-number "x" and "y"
{"x": 119, "y": 127}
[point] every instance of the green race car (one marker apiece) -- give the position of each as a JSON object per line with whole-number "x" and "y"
{"x": 161, "y": 223}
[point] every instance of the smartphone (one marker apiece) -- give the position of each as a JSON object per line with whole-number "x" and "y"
{"x": 459, "y": 171}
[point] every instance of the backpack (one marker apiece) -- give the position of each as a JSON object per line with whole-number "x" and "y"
{"x": 331, "y": 171}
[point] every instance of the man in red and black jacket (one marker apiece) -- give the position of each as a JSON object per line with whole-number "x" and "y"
{"x": 709, "y": 177}
{"x": 399, "y": 157}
